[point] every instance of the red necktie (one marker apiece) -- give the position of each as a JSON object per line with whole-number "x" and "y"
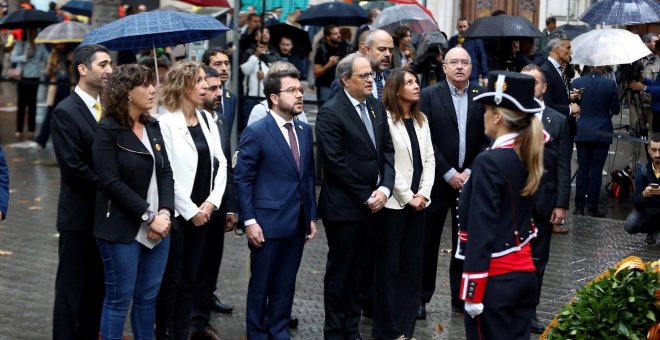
{"x": 294, "y": 145}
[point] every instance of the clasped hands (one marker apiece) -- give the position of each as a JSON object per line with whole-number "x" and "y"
{"x": 418, "y": 203}
{"x": 376, "y": 201}
{"x": 159, "y": 227}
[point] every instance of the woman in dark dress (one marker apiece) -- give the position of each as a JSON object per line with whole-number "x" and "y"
{"x": 193, "y": 145}
{"x": 495, "y": 213}
{"x": 398, "y": 257}
{"x": 134, "y": 202}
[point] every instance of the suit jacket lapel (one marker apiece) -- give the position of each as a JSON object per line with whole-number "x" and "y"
{"x": 182, "y": 127}
{"x": 403, "y": 133}
{"x": 446, "y": 100}
{"x": 302, "y": 143}
{"x": 281, "y": 143}
{"x": 85, "y": 113}
{"x": 353, "y": 116}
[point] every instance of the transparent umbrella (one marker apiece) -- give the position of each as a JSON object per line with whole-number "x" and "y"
{"x": 608, "y": 46}
{"x": 411, "y": 16}
{"x": 622, "y": 12}
{"x": 64, "y": 32}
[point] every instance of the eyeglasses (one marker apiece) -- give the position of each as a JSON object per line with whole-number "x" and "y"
{"x": 456, "y": 62}
{"x": 293, "y": 90}
{"x": 364, "y": 76}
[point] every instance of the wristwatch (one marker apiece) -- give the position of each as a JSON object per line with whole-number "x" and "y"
{"x": 148, "y": 216}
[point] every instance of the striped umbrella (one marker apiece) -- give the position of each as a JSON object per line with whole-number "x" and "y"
{"x": 64, "y": 32}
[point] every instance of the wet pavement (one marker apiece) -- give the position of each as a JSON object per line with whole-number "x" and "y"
{"x": 27, "y": 274}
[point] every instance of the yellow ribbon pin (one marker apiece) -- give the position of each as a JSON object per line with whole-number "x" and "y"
{"x": 157, "y": 147}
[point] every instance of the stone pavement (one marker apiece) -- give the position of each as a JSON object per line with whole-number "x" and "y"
{"x": 27, "y": 276}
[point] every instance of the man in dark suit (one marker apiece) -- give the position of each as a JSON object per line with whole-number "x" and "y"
{"x": 277, "y": 200}
{"x": 457, "y": 132}
{"x": 79, "y": 285}
{"x": 4, "y": 185}
{"x": 223, "y": 107}
{"x": 600, "y": 101}
{"x": 355, "y": 149}
{"x": 558, "y": 96}
{"x": 378, "y": 47}
{"x": 553, "y": 195}
{"x": 218, "y": 58}
{"x": 222, "y": 220}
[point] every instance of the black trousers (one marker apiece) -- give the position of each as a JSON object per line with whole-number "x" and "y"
{"x": 541, "y": 249}
{"x": 398, "y": 272}
{"x": 175, "y": 299}
{"x": 209, "y": 267}
{"x": 79, "y": 287}
{"x": 435, "y": 221}
{"x": 26, "y": 89}
{"x": 348, "y": 251}
{"x": 508, "y": 308}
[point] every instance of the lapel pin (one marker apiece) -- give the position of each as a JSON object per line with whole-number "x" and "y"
{"x": 157, "y": 147}
{"x": 227, "y": 94}
{"x": 300, "y": 127}
{"x": 373, "y": 114}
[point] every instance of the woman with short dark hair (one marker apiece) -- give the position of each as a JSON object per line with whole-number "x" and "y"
{"x": 134, "y": 202}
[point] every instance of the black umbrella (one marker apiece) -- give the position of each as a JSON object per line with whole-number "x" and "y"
{"x": 502, "y": 26}
{"x": 300, "y": 38}
{"x": 338, "y": 13}
{"x": 28, "y": 18}
{"x": 573, "y": 31}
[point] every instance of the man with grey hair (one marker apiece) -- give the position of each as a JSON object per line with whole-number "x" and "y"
{"x": 558, "y": 95}
{"x": 457, "y": 133}
{"x": 377, "y": 47}
{"x": 356, "y": 152}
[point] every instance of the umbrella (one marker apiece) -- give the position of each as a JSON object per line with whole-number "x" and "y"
{"x": 28, "y": 18}
{"x": 573, "y": 31}
{"x": 501, "y": 26}
{"x": 300, "y": 38}
{"x": 416, "y": 3}
{"x": 379, "y": 4}
{"x": 80, "y": 7}
{"x": 209, "y": 3}
{"x": 338, "y": 13}
{"x": 622, "y": 12}
{"x": 607, "y": 46}
{"x": 155, "y": 29}
{"x": 64, "y": 32}
{"x": 411, "y": 16}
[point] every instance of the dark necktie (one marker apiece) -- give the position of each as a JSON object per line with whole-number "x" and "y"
{"x": 367, "y": 122}
{"x": 565, "y": 79}
{"x": 220, "y": 109}
{"x": 294, "y": 145}
{"x": 378, "y": 78}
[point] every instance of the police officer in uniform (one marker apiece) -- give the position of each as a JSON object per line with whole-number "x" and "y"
{"x": 498, "y": 283}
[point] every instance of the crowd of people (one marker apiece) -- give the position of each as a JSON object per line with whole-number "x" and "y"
{"x": 149, "y": 185}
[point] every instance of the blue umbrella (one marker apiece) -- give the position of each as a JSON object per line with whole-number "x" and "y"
{"x": 79, "y": 7}
{"x": 337, "y": 13}
{"x": 622, "y": 12}
{"x": 155, "y": 29}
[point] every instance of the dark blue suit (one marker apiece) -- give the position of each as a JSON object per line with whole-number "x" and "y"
{"x": 281, "y": 197}
{"x": 600, "y": 101}
{"x": 4, "y": 184}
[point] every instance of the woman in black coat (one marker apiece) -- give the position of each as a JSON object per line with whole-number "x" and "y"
{"x": 134, "y": 202}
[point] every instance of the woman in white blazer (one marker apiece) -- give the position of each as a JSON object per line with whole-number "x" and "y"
{"x": 199, "y": 168}
{"x": 400, "y": 236}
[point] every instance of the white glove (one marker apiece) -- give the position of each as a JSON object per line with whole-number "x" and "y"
{"x": 474, "y": 309}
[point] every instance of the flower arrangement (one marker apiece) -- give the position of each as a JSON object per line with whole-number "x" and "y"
{"x": 622, "y": 303}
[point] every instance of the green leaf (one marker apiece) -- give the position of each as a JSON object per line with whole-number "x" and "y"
{"x": 650, "y": 315}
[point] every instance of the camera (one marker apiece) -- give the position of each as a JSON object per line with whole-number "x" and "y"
{"x": 632, "y": 72}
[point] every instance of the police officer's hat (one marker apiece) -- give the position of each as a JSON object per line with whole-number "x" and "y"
{"x": 511, "y": 90}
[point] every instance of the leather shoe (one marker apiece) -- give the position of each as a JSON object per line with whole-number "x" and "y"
{"x": 219, "y": 307}
{"x": 651, "y": 238}
{"x": 208, "y": 333}
{"x": 293, "y": 322}
{"x": 597, "y": 213}
{"x": 557, "y": 229}
{"x": 537, "y": 327}
{"x": 421, "y": 311}
{"x": 458, "y": 310}
{"x": 579, "y": 211}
